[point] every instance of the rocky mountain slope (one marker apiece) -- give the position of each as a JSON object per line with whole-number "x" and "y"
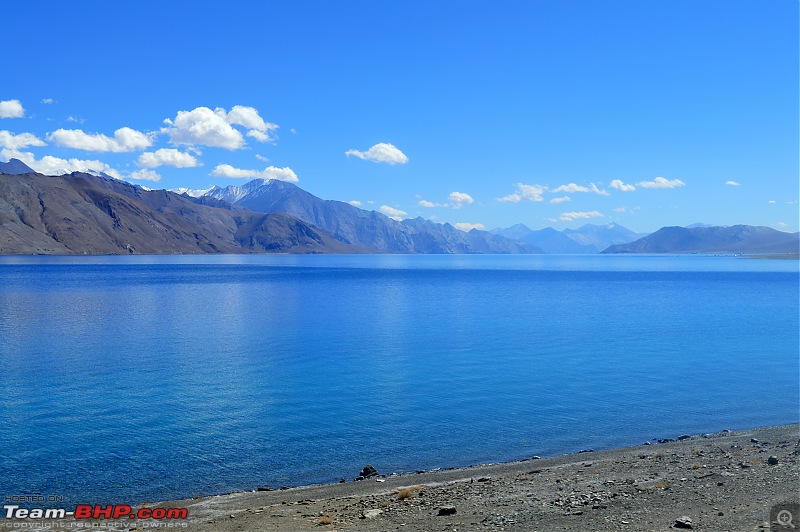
{"x": 84, "y": 214}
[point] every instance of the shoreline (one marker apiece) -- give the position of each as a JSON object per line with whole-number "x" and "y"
{"x": 723, "y": 481}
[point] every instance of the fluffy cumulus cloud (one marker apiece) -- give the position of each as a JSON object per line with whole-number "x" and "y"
{"x": 11, "y": 109}
{"x": 270, "y": 172}
{"x": 50, "y": 165}
{"x": 204, "y": 127}
{"x": 570, "y": 216}
{"x": 355, "y": 203}
{"x": 248, "y": 117}
{"x": 460, "y": 199}
{"x": 525, "y": 192}
{"x": 380, "y": 153}
{"x": 562, "y": 199}
{"x": 167, "y": 157}
{"x": 617, "y": 184}
{"x": 732, "y": 183}
{"x": 125, "y": 140}
{"x": 145, "y": 175}
{"x": 22, "y": 140}
{"x": 467, "y": 227}
{"x": 391, "y": 212}
{"x": 660, "y": 182}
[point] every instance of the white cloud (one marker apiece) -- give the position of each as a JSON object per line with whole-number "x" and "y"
{"x": 260, "y": 136}
{"x": 781, "y": 224}
{"x": 525, "y": 192}
{"x": 380, "y": 153}
{"x": 394, "y": 214}
{"x": 270, "y": 172}
{"x": 660, "y": 182}
{"x": 619, "y": 185}
{"x": 460, "y": 199}
{"x": 562, "y": 199}
{"x": 619, "y": 209}
{"x": 202, "y": 126}
{"x": 430, "y": 204}
{"x": 145, "y": 175}
{"x": 355, "y": 203}
{"x": 48, "y": 101}
{"x": 16, "y": 142}
{"x": 49, "y": 165}
{"x": 570, "y": 216}
{"x": 167, "y": 157}
{"x": 125, "y": 140}
{"x": 732, "y": 183}
{"x": 572, "y": 188}
{"x": 76, "y": 119}
{"x": 11, "y": 109}
{"x": 249, "y": 118}
{"x": 772, "y": 201}
{"x": 467, "y": 227}
{"x": 262, "y": 158}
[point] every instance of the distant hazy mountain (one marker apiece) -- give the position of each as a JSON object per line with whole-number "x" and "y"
{"x": 81, "y": 213}
{"x": 588, "y": 238}
{"x": 15, "y": 167}
{"x": 367, "y": 229}
{"x": 601, "y": 237}
{"x": 715, "y": 239}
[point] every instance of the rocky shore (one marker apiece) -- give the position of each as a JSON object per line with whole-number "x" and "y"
{"x": 724, "y": 481}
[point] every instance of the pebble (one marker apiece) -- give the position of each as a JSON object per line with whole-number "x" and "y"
{"x": 447, "y": 510}
{"x": 683, "y": 522}
{"x": 772, "y": 460}
{"x": 371, "y": 514}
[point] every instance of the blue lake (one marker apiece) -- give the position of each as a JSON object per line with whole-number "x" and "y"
{"x": 130, "y": 379}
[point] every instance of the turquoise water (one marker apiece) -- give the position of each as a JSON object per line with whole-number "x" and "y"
{"x": 127, "y": 379}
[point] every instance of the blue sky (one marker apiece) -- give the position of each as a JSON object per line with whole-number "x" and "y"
{"x": 548, "y": 113}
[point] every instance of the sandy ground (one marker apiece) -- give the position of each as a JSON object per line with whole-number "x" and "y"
{"x": 725, "y": 481}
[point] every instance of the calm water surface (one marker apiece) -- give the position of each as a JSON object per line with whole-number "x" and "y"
{"x": 127, "y": 379}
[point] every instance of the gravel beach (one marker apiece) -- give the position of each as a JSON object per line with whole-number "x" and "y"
{"x": 723, "y": 481}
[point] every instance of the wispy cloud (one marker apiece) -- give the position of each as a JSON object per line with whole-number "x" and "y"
{"x": 430, "y": 204}
{"x": 570, "y": 216}
{"x": 562, "y": 199}
{"x": 355, "y": 203}
{"x": 660, "y": 182}
{"x": 391, "y": 212}
{"x": 573, "y": 187}
{"x": 732, "y": 183}
{"x": 467, "y": 227}
{"x": 380, "y": 153}
{"x": 270, "y": 172}
{"x": 167, "y": 157}
{"x": 48, "y": 101}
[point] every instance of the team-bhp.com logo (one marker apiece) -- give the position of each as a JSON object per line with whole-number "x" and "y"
{"x": 97, "y": 511}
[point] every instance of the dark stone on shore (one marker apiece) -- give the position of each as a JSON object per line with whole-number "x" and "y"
{"x": 586, "y": 451}
{"x": 665, "y": 440}
{"x": 447, "y": 510}
{"x": 536, "y": 457}
{"x": 753, "y": 440}
{"x": 342, "y": 481}
{"x": 683, "y": 522}
{"x": 263, "y": 488}
{"x": 647, "y": 443}
{"x": 484, "y": 479}
{"x": 368, "y": 472}
{"x": 683, "y": 437}
{"x": 772, "y": 460}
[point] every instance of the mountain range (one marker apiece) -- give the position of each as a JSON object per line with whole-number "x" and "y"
{"x": 368, "y": 229}
{"x": 713, "y": 239}
{"x": 91, "y": 213}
